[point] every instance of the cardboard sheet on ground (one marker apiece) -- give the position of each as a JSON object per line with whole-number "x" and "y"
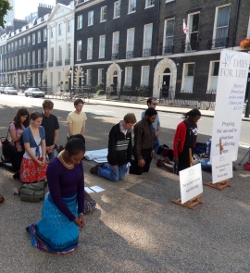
{"x": 96, "y": 189}
{"x": 99, "y": 156}
{"x": 222, "y": 168}
{"x": 190, "y": 183}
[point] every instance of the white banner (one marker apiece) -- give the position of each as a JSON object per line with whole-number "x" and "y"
{"x": 190, "y": 183}
{"x": 222, "y": 168}
{"x": 232, "y": 80}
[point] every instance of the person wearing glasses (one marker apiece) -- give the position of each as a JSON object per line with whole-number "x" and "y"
{"x": 33, "y": 165}
{"x": 152, "y": 103}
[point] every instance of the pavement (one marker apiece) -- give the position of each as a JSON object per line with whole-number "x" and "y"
{"x": 135, "y": 227}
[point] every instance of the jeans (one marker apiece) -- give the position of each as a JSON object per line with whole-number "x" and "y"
{"x": 112, "y": 173}
{"x": 53, "y": 154}
{"x": 156, "y": 144}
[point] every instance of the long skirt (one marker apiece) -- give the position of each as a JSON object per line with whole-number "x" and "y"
{"x": 55, "y": 232}
{"x": 30, "y": 172}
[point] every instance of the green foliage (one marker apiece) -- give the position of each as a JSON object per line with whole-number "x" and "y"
{"x": 127, "y": 87}
{"x": 4, "y": 8}
{"x": 143, "y": 91}
{"x": 100, "y": 92}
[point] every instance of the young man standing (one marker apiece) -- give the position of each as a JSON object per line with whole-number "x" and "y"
{"x": 143, "y": 143}
{"x": 119, "y": 150}
{"x": 152, "y": 103}
{"x": 76, "y": 119}
{"x": 51, "y": 127}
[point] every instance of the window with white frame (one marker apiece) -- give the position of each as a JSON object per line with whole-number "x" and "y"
{"x": 222, "y": 18}
{"x": 45, "y": 34}
{"x": 90, "y": 48}
{"x": 117, "y": 9}
{"x": 20, "y": 43}
{"x": 102, "y": 44}
{"x": 248, "y": 29}
{"x": 33, "y": 57}
{"x": 149, "y": 3}
{"x": 115, "y": 44}
{"x": 24, "y": 59}
{"x": 52, "y": 32}
{"x": 69, "y": 25}
{"x": 24, "y": 41}
{"x": 91, "y": 18}
{"x": 188, "y": 77}
{"x": 33, "y": 78}
{"x": 16, "y": 62}
{"x": 69, "y": 51}
{"x": 39, "y": 37}
{"x": 147, "y": 40}
{"x": 145, "y": 75}
{"x": 60, "y": 29}
{"x": 39, "y": 56}
{"x": 130, "y": 42}
{"x": 51, "y": 79}
{"x": 103, "y": 15}
{"x": 89, "y": 76}
{"x": 33, "y": 38}
{"x": 128, "y": 76}
{"x": 79, "y": 50}
{"x": 20, "y": 60}
{"x": 29, "y": 59}
{"x": 169, "y": 1}
{"x": 60, "y": 53}
{"x": 100, "y": 75}
{"x": 168, "y": 36}
{"x": 79, "y": 21}
{"x": 52, "y": 54}
{"x": 131, "y": 6}
{"x": 16, "y": 45}
{"x": 213, "y": 76}
{"x": 59, "y": 76}
{"x": 193, "y": 27}
{"x": 39, "y": 78}
{"x": 29, "y": 41}
{"x": 45, "y": 55}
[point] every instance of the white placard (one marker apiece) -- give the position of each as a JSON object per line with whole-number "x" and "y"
{"x": 96, "y": 189}
{"x": 88, "y": 190}
{"x": 222, "y": 168}
{"x": 231, "y": 87}
{"x": 190, "y": 183}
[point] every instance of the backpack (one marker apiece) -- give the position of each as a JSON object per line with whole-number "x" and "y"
{"x": 167, "y": 152}
{"x": 33, "y": 192}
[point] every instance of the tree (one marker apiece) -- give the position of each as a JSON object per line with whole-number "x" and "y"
{"x": 4, "y": 7}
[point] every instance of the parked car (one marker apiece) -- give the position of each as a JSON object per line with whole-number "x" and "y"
{"x": 34, "y": 92}
{"x": 10, "y": 91}
{"x": 2, "y": 89}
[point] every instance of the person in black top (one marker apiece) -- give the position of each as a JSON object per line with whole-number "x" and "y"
{"x": 119, "y": 150}
{"x": 143, "y": 143}
{"x": 51, "y": 126}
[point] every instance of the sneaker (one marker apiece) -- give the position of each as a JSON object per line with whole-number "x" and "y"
{"x": 94, "y": 170}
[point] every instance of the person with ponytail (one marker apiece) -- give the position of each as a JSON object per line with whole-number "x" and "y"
{"x": 185, "y": 138}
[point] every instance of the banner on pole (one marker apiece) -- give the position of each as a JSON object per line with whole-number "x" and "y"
{"x": 232, "y": 80}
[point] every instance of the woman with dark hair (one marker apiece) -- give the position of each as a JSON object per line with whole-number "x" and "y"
{"x": 185, "y": 138}
{"x": 33, "y": 166}
{"x": 62, "y": 214}
{"x": 16, "y": 128}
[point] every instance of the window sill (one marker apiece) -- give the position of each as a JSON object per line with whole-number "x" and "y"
{"x": 103, "y": 21}
{"x": 116, "y": 17}
{"x": 131, "y": 12}
{"x": 168, "y": 1}
{"x": 148, "y": 7}
{"x": 90, "y": 25}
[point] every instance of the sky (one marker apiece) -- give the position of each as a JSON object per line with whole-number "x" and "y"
{"x": 25, "y": 7}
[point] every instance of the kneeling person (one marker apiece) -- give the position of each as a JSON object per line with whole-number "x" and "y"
{"x": 119, "y": 150}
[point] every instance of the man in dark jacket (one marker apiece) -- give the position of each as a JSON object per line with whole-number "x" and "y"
{"x": 143, "y": 143}
{"x": 119, "y": 150}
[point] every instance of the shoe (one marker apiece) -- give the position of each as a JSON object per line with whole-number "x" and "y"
{"x": 94, "y": 170}
{"x": 159, "y": 163}
{"x": 16, "y": 175}
{"x": 1, "y": 199}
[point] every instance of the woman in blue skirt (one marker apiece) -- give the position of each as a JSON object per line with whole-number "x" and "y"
{"x": 62, "y": 213}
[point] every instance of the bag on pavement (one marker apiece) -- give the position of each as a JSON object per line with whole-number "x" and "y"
{"x": 33, "y": 192}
